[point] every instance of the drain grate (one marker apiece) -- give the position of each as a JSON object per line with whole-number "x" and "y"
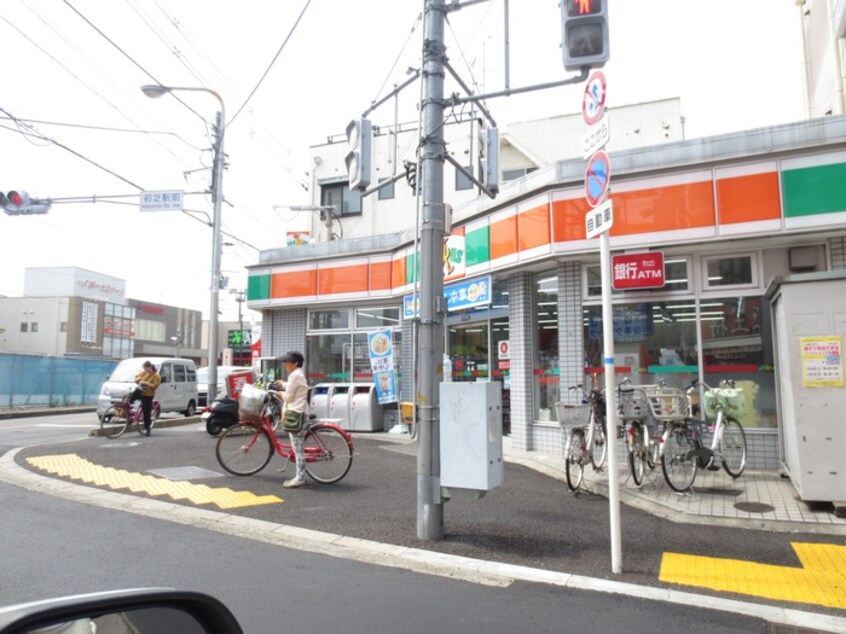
{"x": 185, "y": 473}
{"x": 754, "y": 507}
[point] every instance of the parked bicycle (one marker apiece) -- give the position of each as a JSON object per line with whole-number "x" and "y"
{"x": 122, "y": 415}
{"x": 682, "y": 450}
{"x": 246, "y": 448}
{"x": 586, "y": 434}
{"x": 641, "y": 429}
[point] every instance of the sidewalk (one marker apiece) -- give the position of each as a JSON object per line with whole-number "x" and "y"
{"x": 757, "y": 499}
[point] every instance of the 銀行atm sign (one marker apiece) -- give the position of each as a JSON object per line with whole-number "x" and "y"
{"x": 638, "y": 270}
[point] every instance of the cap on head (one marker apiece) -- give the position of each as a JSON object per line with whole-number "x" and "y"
{"x": 294, "y": 357}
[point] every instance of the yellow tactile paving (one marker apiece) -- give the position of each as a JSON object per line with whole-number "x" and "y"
{"x": 821, "y": 580}
{"x": 76, "y": 468}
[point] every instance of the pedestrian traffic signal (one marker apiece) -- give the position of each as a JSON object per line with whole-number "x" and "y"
{"x": 491, "y": 160}
{"x": 585, "y": 32}
{"x": 359, "y": 137}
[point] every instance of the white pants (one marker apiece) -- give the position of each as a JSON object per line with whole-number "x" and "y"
{"x": 299, "y": 453}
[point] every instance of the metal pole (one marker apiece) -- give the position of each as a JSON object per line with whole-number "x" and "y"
{"x": 217, "y": 195}
{"x": 430, "y": 510}
{"x": 610, "y": 404}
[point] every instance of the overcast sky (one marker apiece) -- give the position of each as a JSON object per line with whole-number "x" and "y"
{"x": 72, "y": 70}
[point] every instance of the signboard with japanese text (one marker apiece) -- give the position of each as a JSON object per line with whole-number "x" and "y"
{"x": 380, "y": 344}
{"x": 461, "y": 295}
{"x": 237, "y": 380}
{"x": 822, "y": 361}
{"x": 637, "y": 270}
{"x": 171, "y": 200}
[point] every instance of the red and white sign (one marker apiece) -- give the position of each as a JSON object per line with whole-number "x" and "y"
{"x": 639, "y": 270}
{"x": 237, "y": 380}
{"x": 503, "y": 350}
{"x": 593, "y": 101}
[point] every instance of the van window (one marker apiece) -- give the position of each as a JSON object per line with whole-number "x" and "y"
{"x": 179, "y": 373}
{"x": 192, "y": 375}
{"x": 165, "y": 373}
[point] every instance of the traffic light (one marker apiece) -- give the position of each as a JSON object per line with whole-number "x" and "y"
{"x": 17, "y": 203}
{"x": 491, "y": 161}
{"x": 585, "y": 31}
{"x": 359, "y": 136}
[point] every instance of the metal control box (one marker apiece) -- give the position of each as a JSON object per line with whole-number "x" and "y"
{"x": 809, "y": 326}
{"x": 471, "y": 435}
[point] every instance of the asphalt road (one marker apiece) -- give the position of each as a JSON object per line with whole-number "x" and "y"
{"x": 531, "y": 520}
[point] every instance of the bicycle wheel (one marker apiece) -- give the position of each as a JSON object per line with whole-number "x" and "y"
{"x": 113, "y": 422}
{"x": 599, "y": 448}
{"x": 733, "y": 447}
{"x": 575, "y": 459}
{"x": 678, "y": 461}
{"x": 244, "y": 449}
{"x": 329, "y": 454}
{"x": 637, "y": 453}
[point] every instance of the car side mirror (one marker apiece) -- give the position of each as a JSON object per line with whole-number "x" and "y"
{"x": 143, "y": 611}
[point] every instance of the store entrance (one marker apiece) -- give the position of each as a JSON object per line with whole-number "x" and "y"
{"x": 474, "y": 348}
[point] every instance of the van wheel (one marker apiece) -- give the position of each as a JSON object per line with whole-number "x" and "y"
{"x": 192, "y": 408}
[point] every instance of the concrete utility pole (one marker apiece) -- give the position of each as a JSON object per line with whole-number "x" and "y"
{"x": 430, "y": 507}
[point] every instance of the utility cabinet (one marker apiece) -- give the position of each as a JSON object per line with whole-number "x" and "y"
{"x": 471, "y": 435}
{"x": 809, "y": 330}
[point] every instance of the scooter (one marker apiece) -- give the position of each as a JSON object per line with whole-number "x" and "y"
{"x": 221, "y": 414}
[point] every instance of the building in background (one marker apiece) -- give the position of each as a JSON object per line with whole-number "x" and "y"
{"x": 823, "y": 24}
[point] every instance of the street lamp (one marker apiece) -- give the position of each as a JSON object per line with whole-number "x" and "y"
{"x": 153, "y": 91}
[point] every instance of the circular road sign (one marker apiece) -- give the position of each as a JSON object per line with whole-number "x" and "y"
{"x": 593, "y": 101}
{"x": 597, "y": 178}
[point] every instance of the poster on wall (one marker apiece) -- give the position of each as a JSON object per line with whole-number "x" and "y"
{"x": 381, "y": 349}
{"x": 822, "y": 361}
{"x": 88, "y": 325}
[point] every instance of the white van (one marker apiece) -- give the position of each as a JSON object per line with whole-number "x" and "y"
{"x": 177, "y": 393}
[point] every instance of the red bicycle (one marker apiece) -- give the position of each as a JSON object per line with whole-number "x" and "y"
{"x": 122, "y": 415}
{"x": 246, "y": 448}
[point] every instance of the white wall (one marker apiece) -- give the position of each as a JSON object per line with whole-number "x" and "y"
{"x": 47, "y": 312}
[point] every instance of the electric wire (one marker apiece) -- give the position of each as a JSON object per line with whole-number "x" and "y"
{"x": 414, "y": 26}
{"x": 272, "y": 62}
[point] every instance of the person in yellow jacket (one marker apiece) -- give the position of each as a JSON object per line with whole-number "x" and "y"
{"x": 148, "y": 381}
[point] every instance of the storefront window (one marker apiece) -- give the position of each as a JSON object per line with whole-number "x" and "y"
{"x": 730, "y": 271}
{"x": 377, "y": 318}
{"x": 545, "y": 372}
{"x": 328, "y": 319}
{"x": 737, "y": 345}
{"x": 469, "y": 350}
{"x": 653, "y": 341}
{"x": 328, "y": 358}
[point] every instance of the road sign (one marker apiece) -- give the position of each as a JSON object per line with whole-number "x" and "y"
{"x": 597, "y": 137}
{"x": 593, "y": 101}
{"x": 637, "y": 270}
{"x": 171, "y": 200}
{"x": 599, "y": 220}
{"x": 597, "y": 178}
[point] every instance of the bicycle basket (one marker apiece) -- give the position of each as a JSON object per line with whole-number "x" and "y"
{"x": 732, "y": 400}
{"x": 251, "y": 403}
{"x": 572, "y": 415}
{"x": 633, "y": 403}
{"x": 668, "y": 403}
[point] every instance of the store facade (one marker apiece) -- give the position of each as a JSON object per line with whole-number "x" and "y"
{"x": 728, "y": 214}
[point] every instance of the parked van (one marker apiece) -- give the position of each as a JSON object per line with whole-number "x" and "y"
{"x": 177, "y": 393}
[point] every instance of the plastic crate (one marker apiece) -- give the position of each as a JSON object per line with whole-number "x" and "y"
{"x": 634, "y": 404}
{"x": 668, "y": 403}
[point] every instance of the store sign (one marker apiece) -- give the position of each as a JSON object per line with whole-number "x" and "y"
{"x": 467, "y": 294}
{"x": 454, "y": 256}
{"x": 639, "y": 270}
{"x": 382, "y": 364}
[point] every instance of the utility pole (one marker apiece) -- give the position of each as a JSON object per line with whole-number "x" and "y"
{"x": 430, "y": 507}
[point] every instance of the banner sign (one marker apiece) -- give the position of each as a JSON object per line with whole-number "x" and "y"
{"x": 381, "y": 348}
{"x": 638, "y": 270}
{"x": 461, "y": 295}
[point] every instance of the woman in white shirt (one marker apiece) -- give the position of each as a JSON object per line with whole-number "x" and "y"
{"x": 295, "y": 397}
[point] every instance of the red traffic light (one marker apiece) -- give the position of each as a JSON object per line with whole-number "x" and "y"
{"x": 15, "y": 198}
{"x": 583, "y": 7}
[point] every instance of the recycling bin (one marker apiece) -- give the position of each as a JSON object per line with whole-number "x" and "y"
{"x": 339, "y": 404}
{"x": 319, "y": 404}
{"x": 365, "y": 411}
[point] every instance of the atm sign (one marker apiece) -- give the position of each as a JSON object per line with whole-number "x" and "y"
{"x": 639, "y": 270}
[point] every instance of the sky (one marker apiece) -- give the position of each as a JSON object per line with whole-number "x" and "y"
{"x": 75, "y": 124}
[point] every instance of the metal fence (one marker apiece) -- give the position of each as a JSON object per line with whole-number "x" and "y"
{"x": 50, "y": 381}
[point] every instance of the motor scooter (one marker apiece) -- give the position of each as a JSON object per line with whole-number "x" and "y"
{"x": 221, "y": 414}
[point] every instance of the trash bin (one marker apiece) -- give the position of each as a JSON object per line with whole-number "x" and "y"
{"x": 339, "y": 404}
{"x": 365, "y": 411}
{"x": 319, "y": 405}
